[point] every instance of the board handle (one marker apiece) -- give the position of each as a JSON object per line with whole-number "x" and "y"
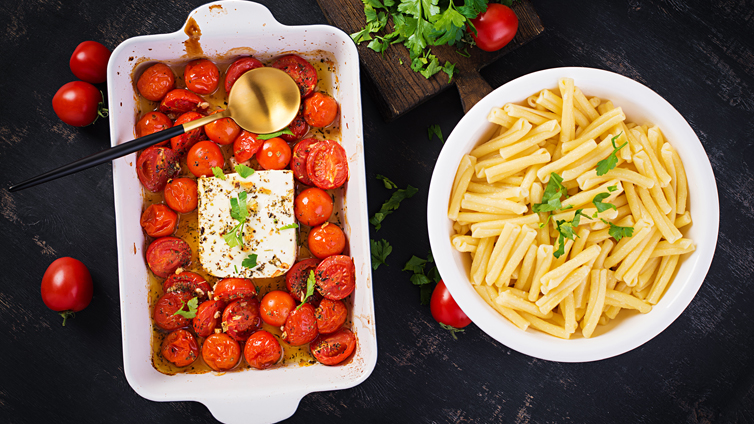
{"x": 472, "y": 88}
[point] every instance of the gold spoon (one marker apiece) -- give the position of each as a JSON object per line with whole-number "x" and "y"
{"x": 262, "y": 101}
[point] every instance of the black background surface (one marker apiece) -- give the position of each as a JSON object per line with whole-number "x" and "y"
{"x": 699, "y": 55}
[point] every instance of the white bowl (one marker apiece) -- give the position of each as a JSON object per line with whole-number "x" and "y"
{"x": 641, "y": 105}
{"x": 232, "y": 28}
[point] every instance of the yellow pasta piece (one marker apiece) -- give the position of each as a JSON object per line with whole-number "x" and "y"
{"x": 567, "y": 121}
{"x": 596, "y": 128}
{"x": 511, "y": 167}
{"x": 499, "y": 254}
{"x": 552, "y": 299}
{"x": 558, "y": 165}
{"x": 527, "y": 268}
{"x": 463, "y": 176}
{"x": 498, "y": 116}
{"x": 516, "y": 132}
{"x": 508, "y": 313}
{"x": 524, "y": 240}
{"x": 663, "y": 278}
{"x": 544, "y": 260}
{"x": 535, "y": 137}
{"x": 510, "y": 300}
{"x": 464, "y": 243}
{"x": 590, "y": 179}
{"x": 668, "y": 230}
{"x": 546, "y": 327}
{"x": 680, "y": 247}
{"x": 626, "y": 301}
{"x": 536, "y": 117}
{"x": 683, "y": 220}
{"x": 595, "y": 304}
{"x": 481, "y": 259}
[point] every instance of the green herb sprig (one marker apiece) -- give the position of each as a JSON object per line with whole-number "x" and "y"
{"x": 391, "y": 205}
{"x": 310, "y": 283}
{"x": 192, "y": 306}
{"x": 239, "y": 212}
{"x": 611, "y": 161}
{"x": 380, "y": 251}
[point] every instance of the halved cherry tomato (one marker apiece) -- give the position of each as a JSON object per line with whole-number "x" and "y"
{"x": 155, "y": 82}
{"x": 298, "y": 127}
{"x": 327, "y": 165}
{"x": 331, "y": 315}
{"x": 221, "y": 352}
{"x": 301, "y": 326}
{"x": 230, "y": 289}
{"x": 444, "y": 308}
{"x": 246, "y": 146}
{"x": 203, "y": 156}
{"x": 166, "y": 254}
{"x": 181, "y": 101}
{"x": 201, "y": 76}
{"x": 275, "y": 307}
{"x": 182, "y": 195}
{"x": 313, "y": 206}
{"x": 155, "y": 166}
{"x": 298, "y": 161}
{"x": 159, "y": 221}
{"x": 151, "y": 123}
{"x": 326, "y": 240}
{"x": 241, "y": 318}
{"x": 320, "y": 109}
{"x": 332, "y": 349}
{"x": 207, "y": 317}
{"x": 295, "y": 279}
{"x": 165, "y": 310}
{"x": 79, "y": 103}
{"x": 180, "y": 348}
{"x": 238, "y": 68}
{"x": 190, "y": 282}
{"x": 223, "y": 131}
{"x": 182, "y": 143}
{"x": 262, "y": 350}
{"x": 274, "y": 154}
{"x": 300, "y": 70}
{"x": 89, "y": 62}
{"x": 336, "y": 277}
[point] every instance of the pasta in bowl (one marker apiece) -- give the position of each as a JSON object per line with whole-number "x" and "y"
{"x": 570, "y": 190}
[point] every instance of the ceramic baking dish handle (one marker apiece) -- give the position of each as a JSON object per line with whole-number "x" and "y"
{"x": 258, "y": 410}
{"x": 217, "y": 16}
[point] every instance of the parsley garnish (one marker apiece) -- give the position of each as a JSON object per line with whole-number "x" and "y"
{"x": 615, "y": 231}
{"x": 618, "y": 233}
{"x": 310, "y": 282}
{"x": 551, "y": 197}
{"x": 386, "y": 181}
{"x": 435, "y": 130}
{"x": 244, "y": 171}
{"x": 239, "y": 212}
{"x": 192, "y": 304}
{"x": 218, "y": 172}
{"x": 285, "y": 130}
{"x": 601, "y": 206}
{"x": 566, "y": 231}
{"x": 419, "y": 278}
{"x": 288, "y": 227}
{"x": 611, "y": 161}
{"x": 250, "y": 261}
{"x": 392, "y": 204}
{"x": 380, "y": 251}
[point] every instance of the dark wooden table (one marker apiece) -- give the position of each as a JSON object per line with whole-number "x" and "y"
{"x": 699, "y": 55}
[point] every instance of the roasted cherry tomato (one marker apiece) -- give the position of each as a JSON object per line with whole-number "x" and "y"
{"x": 180, "y": 348}
{"x": 320, "y": 110}
{"x": 151, "y": 123}
{"x": 166, "y": 254}
{"x": 262, "y": 350}
{"x": 300, "y": 70}
{"x": 332, "y": 349}
{"x": 246, "y": 146}
{"x": 203, "y": 156}
{"x": 298, "y": 161}
{"x": 67, "y": 286}
{"x": 295, "y": 279}
{"x": 241, "y": 318}
{"x": 313, "y": 206}
{"x": 336, "y": 277}
{"x": 238, "y": 68}
{"x": 89, "y": 62}
{"x": 182, "y": 101}
{"x": 189, "y": 282}
{"x": 331, "y": 315}
{"x": 155, "y": 82}
{"x": 326, "y": 240}
{"x": 221, "y": 352}
{"x": 201, "y": 76}
{"x": 79, "y": 103}
{"x": 182, "y": 143}
{"x": 298, "y": 127}
{"x": 444, "y": 308}
{"x": 230, "y": 289}
{"x": 159, "y": 221}
{"x": 165, "y": 310}
{"x": 182, "y": 195}
{"x": 495, "y": 27}
{"x": 155, "y": 166}
{"x": 207, "y": 317}
{"x": 274, "y": 154}
{"x": 223, "y": 131}
{"x": 327, "y": 165}
{"x": 275, "y": 307}
{"x": 301, "y": 326}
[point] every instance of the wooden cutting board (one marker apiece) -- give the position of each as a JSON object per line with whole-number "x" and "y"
{"x": 397, "y": 88}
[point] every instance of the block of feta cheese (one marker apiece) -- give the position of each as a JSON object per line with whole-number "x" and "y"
{"x": 267, "y": 231}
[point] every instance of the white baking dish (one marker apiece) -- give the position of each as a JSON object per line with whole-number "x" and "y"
{"x": 232, "y": 28}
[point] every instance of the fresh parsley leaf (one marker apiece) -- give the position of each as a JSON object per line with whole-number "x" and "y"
{"x": 612, "y": 188}
{"x": 566, "y": 231}
{"x": 218, "y": 172}
{"x": 452, "y": 330}
{"x": 449, "y": 68}
{"x": 386, "y": 181}
{"x": 611, "y": 161}
{"x": 601, "y": 206}
{"x": 391, "y": 205}
{"x": 435, "y": 129}
{"x": 191, "y": 304}
{"x": 415, "y": 265}
{"x": 239, "y": 212}
{"x": 434, "y": 275}
{"x": 234, "y": 237}
{"x": 425, "y": 293}
{"x": 250, "y": 261}
{"x": 618, "y": 232}
{"x": 561, "y": 247}
{"x": 551, "y": 197}
{"x": 288, "y": 227}
{"x": 362, "y": 35}
{"x": 379, "y": 44}
{"x": 285, "y": 130}
{"x": 420, "y": 279}
{"x": 244, "y": 171}
{"x": 310, "y": 283}
{"x": 380, "y": 251}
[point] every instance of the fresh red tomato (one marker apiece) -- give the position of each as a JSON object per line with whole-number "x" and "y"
{"x": 89, "y": 62}
{"x": 331, "y": 315}
{"x": 203, "y": 156}
{"x": 223, "y": 131}
{"x": 241, "y": 318}
{"x": 313, "y": 206}
{"x": 207, "y": 317}
{"x": 320, "y": 110}
{"x": 327, "y": 165}
{"x": 262, "y": 350}
{"x": 332, "y": 349}
{"x": 79, "y": 103}
{"x": 336, "y": 277}
{"x": 166, "y": 254}
{"x": 182, "y": 143}
{"x": 445, "y": 310}
{"x": 276, "y": 306}
{"x": 295, "y": 279}
{"x": 298, "y": 127}
{"x": 301, "y": 326}
{"x": 151, "y": 123}
{"x": 201, "y": 76}
{"x": 300, "y": 70}
{"x": 67, "y": 286}
{"x": 182, "y": 195}
{"x": 230, "y": 289}
{"x": 155, "y": 82}
{"x": 165, "y": 310}
{"x": 180, "y": 348}
{"x": 274, "y": 154}
{"x": 159, "y": 221}
{"x": 238, "y": 68}
{"x": 182, "y": 101}
{"x": 246, "y": 146}
{"x": 326, "y": 240}
{"x": 495, "y": 27}
{"x": 155, "y": 166}
{"x": 298, "y": 161}
{"x": 189, "y": 282}
{"x": 221, "y": 352}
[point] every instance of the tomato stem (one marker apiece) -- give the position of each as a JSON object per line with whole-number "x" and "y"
{"x": 101, "y": 109}
{"x": 66, "y": 314}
